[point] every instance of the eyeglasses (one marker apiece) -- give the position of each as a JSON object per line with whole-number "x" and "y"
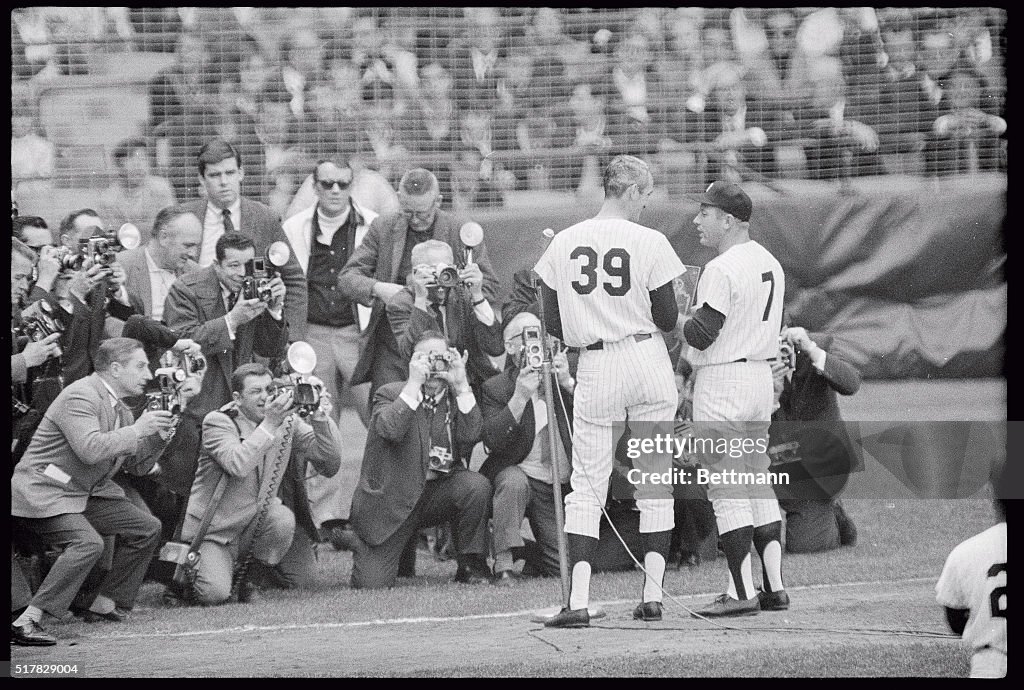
{"x": 418, "y": 215}
{"x": 327, "y": 185}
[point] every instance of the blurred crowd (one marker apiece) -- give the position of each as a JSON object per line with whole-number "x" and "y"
{"x": 503, "y": 99}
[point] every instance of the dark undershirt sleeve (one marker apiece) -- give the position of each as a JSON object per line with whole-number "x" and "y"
{"x": 957, "y": 619}
{"x": 552, "y": 317}
{"x": 704, "y": 327}
{"x": 664, "y": 310}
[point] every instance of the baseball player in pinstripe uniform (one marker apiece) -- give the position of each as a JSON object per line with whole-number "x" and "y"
{"x": 609, "y": 292}
{"x": 733, "y": 334}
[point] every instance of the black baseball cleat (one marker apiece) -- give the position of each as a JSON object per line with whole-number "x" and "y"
{"x": 31, "y": 635}
{"x": 725, "y": 606}
{"x": 648, "y": 611}
{"x": 773, "y": 601}
{"x": 847, "y": 530}
{"x": 569, "y": 618}
{"x": 506, "y": 578}
{"x": 472, "y": 575}
{"x": 118, "y": 615}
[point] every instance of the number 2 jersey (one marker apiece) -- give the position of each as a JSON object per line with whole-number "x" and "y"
{"x": 974, "y": 578}
{"x": 746, "y": 284}
{"x": 603, "y": 270}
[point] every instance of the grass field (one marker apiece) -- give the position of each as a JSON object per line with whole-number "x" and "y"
{"x": 867, "y": 610}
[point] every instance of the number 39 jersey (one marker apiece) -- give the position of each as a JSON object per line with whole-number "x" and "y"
{"x": 603, "y": 270}
{"x": 974, "y": 578}
{"x": 746, "y": 284}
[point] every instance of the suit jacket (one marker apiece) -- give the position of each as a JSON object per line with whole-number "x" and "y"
{"x": 140, "y": 291}
{"x": 75, "y": 452}
{"x": 195, "y": 309}
{"x": 299, "y": 231}
{"x": 263, "y": 227}
{"x": 507, "y": 441}
{"x": 465, "y": 331}
{"x": 377, "y": 260}
{"x": 825, "y": 451}
{"x": 247, "y": 457}
{"x": 394, "y": 468}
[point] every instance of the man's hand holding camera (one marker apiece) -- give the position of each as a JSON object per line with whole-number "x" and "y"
{"x": 456, "y": 373}
{"x": 154, "y": 422}
{"x": 278, "y": 408}
{"x": 422, "y": 280}
{"x": 276, "y": 304}
{"x": 48, "y": 268}
{"x": 244, "y": 311}
{"x": 83, "y": 282}
{"x": 473, "y": 278}
{"x": 560, "y": 364}
{"x": 36, "y": 353}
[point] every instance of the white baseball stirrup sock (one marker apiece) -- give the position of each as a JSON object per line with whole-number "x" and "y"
{"x": 748, "y": 578}
{"x": 654, "y": 564}
{"x": 772, "y": 561}
{"x": 579, "y": 594}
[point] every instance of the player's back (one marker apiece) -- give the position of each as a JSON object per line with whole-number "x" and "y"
{"x": 603, "y": 270}
{"x": 974, "y": 578}
{"x": 747, "y": 284}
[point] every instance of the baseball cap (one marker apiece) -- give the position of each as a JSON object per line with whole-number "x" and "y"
{"x": 728, "y": 197}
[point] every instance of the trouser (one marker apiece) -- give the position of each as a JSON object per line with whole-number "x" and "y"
{"x": 464, "y": 498}
{"x": 337, "y": 353}
{"x": 736, "y": 402}
{"x": 516, "y": 496}
{"x": 811, "y": 525}
{"x": 298, "y": 567}
{"x": 21, "y": 592}
{"x": 81, "y": 535}
{"x": 217, "y": 561}
{"x": 624, "y": 380}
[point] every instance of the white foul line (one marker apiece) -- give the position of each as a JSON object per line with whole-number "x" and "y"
{"x": 470, "y": 617}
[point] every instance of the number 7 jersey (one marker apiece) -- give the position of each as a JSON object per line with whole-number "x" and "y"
{"x": 746, "y": 284}
{"x": 603, "y": 270}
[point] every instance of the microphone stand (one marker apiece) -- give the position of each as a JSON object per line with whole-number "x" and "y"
{"x": 555, "y": 443}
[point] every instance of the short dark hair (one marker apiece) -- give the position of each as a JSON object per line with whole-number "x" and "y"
{"x": 431, "y": 335}
{"x": 166, "y": 216}
{"x": 343, "y": 164}
{"x": 215, "y": 151}
{"x": 126, "y": 148}
{"x": 239, "y": 375}
{"x": 68, "y": 224}
{"x": 19, "y": 224}
{"x": 233, "y": 240}
{"x": 114, "y": 350}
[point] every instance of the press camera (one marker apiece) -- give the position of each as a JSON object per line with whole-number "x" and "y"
{"x": 259, "y": 272}
{"x": 102, "y": 247}
{"x": 40, "y": 321}
{"x": 439, "y": 362}
{"x": 306, "y": 395}
{"x": 533, "y": 347}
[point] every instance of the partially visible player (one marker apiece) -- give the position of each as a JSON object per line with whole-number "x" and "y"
{"x": 972, "y": 588}
{"x": 609, "y": 292}
{"x": 733, "y": 335}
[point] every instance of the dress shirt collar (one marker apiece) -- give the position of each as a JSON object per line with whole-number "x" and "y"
{"x": 153, "y": 267}
{"x": 235, "y": 208}
{"x": 114, "y": 400}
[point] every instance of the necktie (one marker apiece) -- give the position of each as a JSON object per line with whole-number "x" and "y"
{"x": 438, "y": 316}
{"x": 229, "y": 226}
{"x": 232, "y": 300}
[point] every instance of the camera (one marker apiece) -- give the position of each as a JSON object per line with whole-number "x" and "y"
{"x": 787, "y": 352}
{"x": 69, "y": 260}
{"x": 102, "y": 247}
{"x": 39, "y": 321}
{"x": 165, "y": 401}
{"x": 439, "y": 362}
{"x": 259, "y": 272}
{"x": 174, "y": 369}
{"x": 301, "y": 359}
{"x": 446, "y": 276}
{"x": 440, "y": 459}
{"x": 533, "y": 347}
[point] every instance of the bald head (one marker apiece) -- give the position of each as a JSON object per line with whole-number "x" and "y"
{"x": 522, "y": 320}
{"x": 418, "y": 182}
{"x": 432, "y": 252}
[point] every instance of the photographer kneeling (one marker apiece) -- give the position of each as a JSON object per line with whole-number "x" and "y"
{"x": 248, "y": 443}
{"x": 413, "y": 474}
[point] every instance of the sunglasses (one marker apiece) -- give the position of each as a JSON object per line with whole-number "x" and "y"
{"x": 327, "y": 185}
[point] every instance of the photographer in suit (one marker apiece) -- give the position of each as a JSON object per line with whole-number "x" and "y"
{"x": 208, "y": 306}
{"x": 807, "y": 434}
{"x": 62, "y": 493}
{"x": 250, "y": 442}
{"x": 413, "y": 474}
{"x": 519, "y": 461}
{"x": 462, "y": 312}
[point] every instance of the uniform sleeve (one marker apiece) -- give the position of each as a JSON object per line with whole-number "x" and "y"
{"x": 949, "y": 590}
{"x": 666, "y": 263}
{"x": 715, "y": 290}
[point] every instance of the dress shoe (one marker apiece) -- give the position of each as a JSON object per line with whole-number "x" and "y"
{"x": 248, "y": 592}
{"x": 116, "y": 616}
{"x": 648, "y": 611}
{"x": 506, "y": 578}
{"x": 688, "y": 559}
{"x": 31, "y": 635}
{"x": 724, "y": 606}
{"x": 773, "y": 601}
{"x": 342, "y": 538}
{"x": 847, "y": 530}
{"x": 569, "y": 618}
{"x": 472, "y": 575}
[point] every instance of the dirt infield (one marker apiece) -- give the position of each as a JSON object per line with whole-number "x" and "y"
{"x": 508, "y": 643}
